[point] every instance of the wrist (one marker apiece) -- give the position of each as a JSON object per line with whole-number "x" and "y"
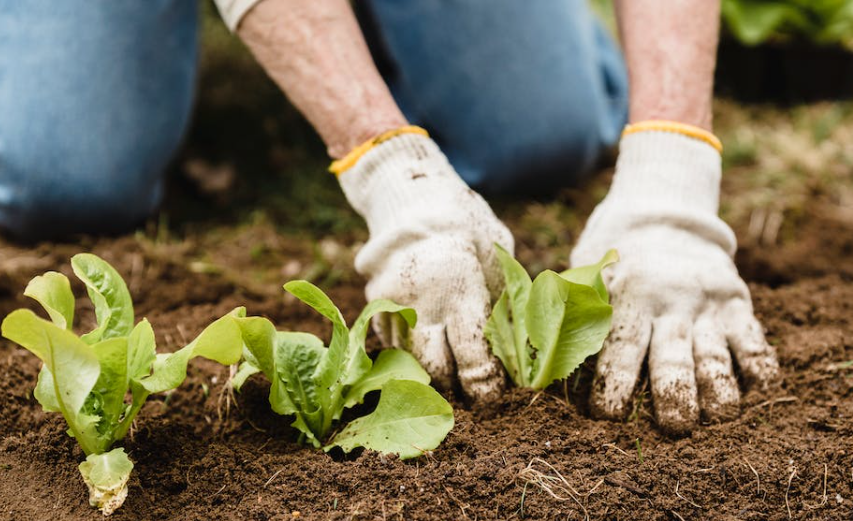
{"x": 674, "y": 127}
{"x": 340, "y": 142}
{"x": 404, "y": 176}
{"x": 668, "y": 167}
{"x": 689, "y": 111}
{"x": 351, "y": 159}
{"x": 666, "y": 182}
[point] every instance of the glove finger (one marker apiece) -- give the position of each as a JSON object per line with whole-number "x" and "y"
{"x": 486, "y": 230}
{"x": 428, "y": 344}
{"x": 480, "y": 373}
{"x": 719, "y": 395}
{"x": 619, "y": 363}
{"x": 382, "y": 327}
{"x": 672, "y": 374}
{"x": 755, "y": 357}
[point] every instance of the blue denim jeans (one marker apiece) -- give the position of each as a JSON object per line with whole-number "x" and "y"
{"x": 95, "y": 96}
{"x": 523, "y": 96}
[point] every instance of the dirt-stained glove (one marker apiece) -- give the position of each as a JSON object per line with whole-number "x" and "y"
{"x": 431, "y": 248}
{"x": 676, "y": 292}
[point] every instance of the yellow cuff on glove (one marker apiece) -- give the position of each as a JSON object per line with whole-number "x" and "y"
{"x": 343, "y": 164}
{"x": 654, "y": 125}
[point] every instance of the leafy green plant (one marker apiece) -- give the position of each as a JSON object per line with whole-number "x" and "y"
{"x": 543, "y": 329}
{"x": 87, "y": 377}
{"x": 315, "y": 383}
{"x": 822, "y": 22}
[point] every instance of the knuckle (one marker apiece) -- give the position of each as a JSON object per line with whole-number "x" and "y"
{"x": 671, "y": 364}
{"x": 710, "y": 357}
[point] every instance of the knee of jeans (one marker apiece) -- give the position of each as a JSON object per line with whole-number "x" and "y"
{"x": 52, "y": 205}
{"x": 537, "y": 160}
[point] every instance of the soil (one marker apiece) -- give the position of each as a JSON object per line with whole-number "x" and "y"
{"x": 201, "y": 455}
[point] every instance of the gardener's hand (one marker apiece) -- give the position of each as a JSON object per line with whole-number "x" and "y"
{"x": 431, "y": 248}
{"x": 676, "y": 292}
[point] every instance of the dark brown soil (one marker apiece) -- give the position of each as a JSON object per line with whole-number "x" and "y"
{"x": 789, "y": 455}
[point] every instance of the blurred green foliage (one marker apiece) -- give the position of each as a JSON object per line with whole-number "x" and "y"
{"x": 820, "y": 22}
{"x": 753, "y": 22}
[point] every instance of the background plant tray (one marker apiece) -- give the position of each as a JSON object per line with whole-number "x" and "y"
{"x": 789, "y": 73}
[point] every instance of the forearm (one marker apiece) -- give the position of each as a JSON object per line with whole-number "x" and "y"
{"x": 670, "y": 49}
{"x": 316, "y": 53}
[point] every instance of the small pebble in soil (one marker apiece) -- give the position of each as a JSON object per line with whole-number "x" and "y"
{"x": 291, "y": 269}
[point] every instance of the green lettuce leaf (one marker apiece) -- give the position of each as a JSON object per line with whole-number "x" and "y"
{"x": 341, "y": 363}
{"x": 109, "y": 294}
{"x": 111, "y": 386}
{"x": 221, "y": 341}
{"x": 245, "y": 370}
{"x": 87, "y": 378}
{"x": 542, "y": 330}
{"x": 505, "y": 328}
{"x": 315, "y": 383}
{"x": 72, "y": 365}
{"x": 500, "y": 333}
{"x": 410, "y": 419}
{"x": 358, "y": 333}
{"x": 567, "y": 322}
{"x": 259, "y": 337}
{"x": 53, "y": 291}
{"x": 141, "y": 350}
{"x": 591, "y": 275}
{"x": 45, "y": 392}
{"x": 391, "y": 364}
{"x": 141, "y": 354}
{"x": 298, "y": 356}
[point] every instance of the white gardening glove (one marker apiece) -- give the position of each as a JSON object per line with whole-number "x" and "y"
{"x": 676, "y": 292}
{"x": 431, "y": 248}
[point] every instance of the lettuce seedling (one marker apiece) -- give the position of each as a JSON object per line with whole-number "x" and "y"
{"x": 87, "y": 377}
{"x": 315, "y": 383}
{"x": 542, "y": 330}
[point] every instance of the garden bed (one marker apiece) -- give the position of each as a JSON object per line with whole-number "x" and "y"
{"x": 201, "y": 455}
